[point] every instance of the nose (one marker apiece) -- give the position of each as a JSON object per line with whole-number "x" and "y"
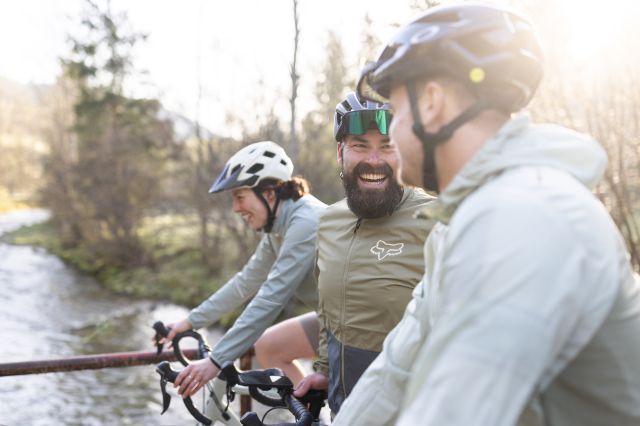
{"x": 235, "y": 206}
{"x": 375, "y": 156}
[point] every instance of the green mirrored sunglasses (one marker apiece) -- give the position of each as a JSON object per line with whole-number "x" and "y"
{"x": 358, "y": 122}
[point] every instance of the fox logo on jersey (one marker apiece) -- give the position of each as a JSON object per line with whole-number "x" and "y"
{"x": 382, "y": 249}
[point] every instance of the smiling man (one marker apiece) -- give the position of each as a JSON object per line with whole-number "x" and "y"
{"x": 369, "y": 250}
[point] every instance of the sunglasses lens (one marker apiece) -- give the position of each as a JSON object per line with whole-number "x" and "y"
{"x": 358, "y": 122}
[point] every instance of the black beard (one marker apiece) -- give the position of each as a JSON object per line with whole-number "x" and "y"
{"x": 371, "y": 203}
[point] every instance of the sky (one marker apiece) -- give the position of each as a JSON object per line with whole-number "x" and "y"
{"x": 237, "y": 53}
{"x": 223, "y": 48}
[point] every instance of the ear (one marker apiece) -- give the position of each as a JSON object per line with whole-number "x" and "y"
{"x": 431, "y": 102}
{"x": 269, "y": 195}
{"x": 340, "y": 148}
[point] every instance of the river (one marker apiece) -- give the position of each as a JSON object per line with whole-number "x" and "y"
{"x": 48, "y": 310}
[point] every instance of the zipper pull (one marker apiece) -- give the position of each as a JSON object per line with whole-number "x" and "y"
{"x": 358, "y": 223}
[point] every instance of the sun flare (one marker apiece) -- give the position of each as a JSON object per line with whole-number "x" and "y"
{"x": 594, "y": 28}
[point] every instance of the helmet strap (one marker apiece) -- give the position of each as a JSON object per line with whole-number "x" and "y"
{"x": 271, "y": 213}
{"x": 431, "y": 140}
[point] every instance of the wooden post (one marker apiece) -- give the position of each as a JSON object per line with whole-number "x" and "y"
{"x": 246, "y": 364}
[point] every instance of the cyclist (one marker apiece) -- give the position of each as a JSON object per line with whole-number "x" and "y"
{"x": 531, "y": 312}
{"x": 269, "y": 200}
{"x": 369, "y": 250}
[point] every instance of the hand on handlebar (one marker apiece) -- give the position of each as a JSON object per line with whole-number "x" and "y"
{"x": 175, "y": 328}
{"x": 312, "y": 381}
{"x": 195, "y": 376}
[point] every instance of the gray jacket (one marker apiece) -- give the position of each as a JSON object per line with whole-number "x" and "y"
{"x": 280, "y": 268}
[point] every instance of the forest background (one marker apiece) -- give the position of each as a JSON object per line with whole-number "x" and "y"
{"x": 125, "y": 178}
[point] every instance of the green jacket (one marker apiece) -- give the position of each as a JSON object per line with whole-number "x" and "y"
{"x": 367, "y": 269}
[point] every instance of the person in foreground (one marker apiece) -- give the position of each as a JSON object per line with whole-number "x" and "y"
{"x": 529, "y": 312}
{"x": 369, "y": 250}
{"x": 271, "y": 201}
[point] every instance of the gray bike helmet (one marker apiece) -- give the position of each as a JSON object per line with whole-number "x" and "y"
{"x": 347, "y": 120}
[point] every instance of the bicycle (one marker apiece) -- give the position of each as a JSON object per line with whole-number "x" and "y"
{"x": 269, "y": 387}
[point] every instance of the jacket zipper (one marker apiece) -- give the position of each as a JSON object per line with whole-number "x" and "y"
{"x": 344, "y": 303}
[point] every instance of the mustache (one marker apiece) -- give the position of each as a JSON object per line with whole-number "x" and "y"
{"x": 361, "y": 168}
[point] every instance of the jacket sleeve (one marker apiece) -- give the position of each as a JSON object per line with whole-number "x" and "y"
{"x": 321, "y": 363}
{"x": 521, "y": 297}
{"x": 238, "y": 289}
{"x": 294, "y": 262}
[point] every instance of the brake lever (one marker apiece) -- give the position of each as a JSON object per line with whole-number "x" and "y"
{"x": 167, "y": 374}
{"x": 166, "y": 398}
{"x": 161, "y": 332}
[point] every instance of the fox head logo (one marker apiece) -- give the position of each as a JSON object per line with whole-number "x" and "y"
{"x": 382, "y": 249}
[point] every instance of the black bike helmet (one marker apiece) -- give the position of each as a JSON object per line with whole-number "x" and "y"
{"x": 349, "y": 107}
{"x": 491, "y": 49}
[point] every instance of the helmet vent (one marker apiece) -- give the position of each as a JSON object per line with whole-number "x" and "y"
{"x": 443, "y": 17}
{"x": 269, "y": 154}
{"x": 235, "y": 169}
{"x": 255, "y": 168}
{"x": 284, "y": 163}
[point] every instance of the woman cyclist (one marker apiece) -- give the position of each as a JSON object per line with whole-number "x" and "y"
{"x": 270, "y": 200}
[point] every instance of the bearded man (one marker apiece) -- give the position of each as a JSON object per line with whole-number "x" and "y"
{"x": 369, "y": 251}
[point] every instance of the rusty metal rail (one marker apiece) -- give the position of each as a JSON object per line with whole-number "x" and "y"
{"x": 113, "y": 360}
{"x": 90, "y": 362}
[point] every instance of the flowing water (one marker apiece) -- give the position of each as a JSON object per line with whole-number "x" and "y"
{"x": 47, "y": 310}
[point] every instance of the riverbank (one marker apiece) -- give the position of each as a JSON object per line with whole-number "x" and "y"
{"x": 8, "y": 203}
{"x": 179, "y": 276}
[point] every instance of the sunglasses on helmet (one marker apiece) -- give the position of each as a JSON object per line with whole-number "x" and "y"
{"x": 360, "y": 121}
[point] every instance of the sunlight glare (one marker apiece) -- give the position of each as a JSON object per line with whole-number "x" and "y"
{"x": 594, "y": 26}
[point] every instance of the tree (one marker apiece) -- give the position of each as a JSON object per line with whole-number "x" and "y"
{"x": 114, "y": 173}
{"x": 601, "y": 99}
{"x": 370, "y": 43}
{"x": 318, "y": 158}
{"x": 293, "y": 142}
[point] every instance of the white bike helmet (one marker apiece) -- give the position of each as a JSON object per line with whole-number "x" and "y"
{"x": 252, "y": 164}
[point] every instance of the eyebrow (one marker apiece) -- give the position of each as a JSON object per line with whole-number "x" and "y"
{"x": 357, "y": 138}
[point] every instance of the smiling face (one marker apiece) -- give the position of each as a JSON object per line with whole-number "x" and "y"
{"x": 247, "y": 204}
{"x": 369, "y": 165}
{"x": 410, "y": 152}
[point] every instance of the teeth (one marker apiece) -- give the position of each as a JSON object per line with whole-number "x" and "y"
{"x": 373, "y": 177}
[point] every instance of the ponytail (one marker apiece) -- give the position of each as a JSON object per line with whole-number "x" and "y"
{"x": 294, "y": 189}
